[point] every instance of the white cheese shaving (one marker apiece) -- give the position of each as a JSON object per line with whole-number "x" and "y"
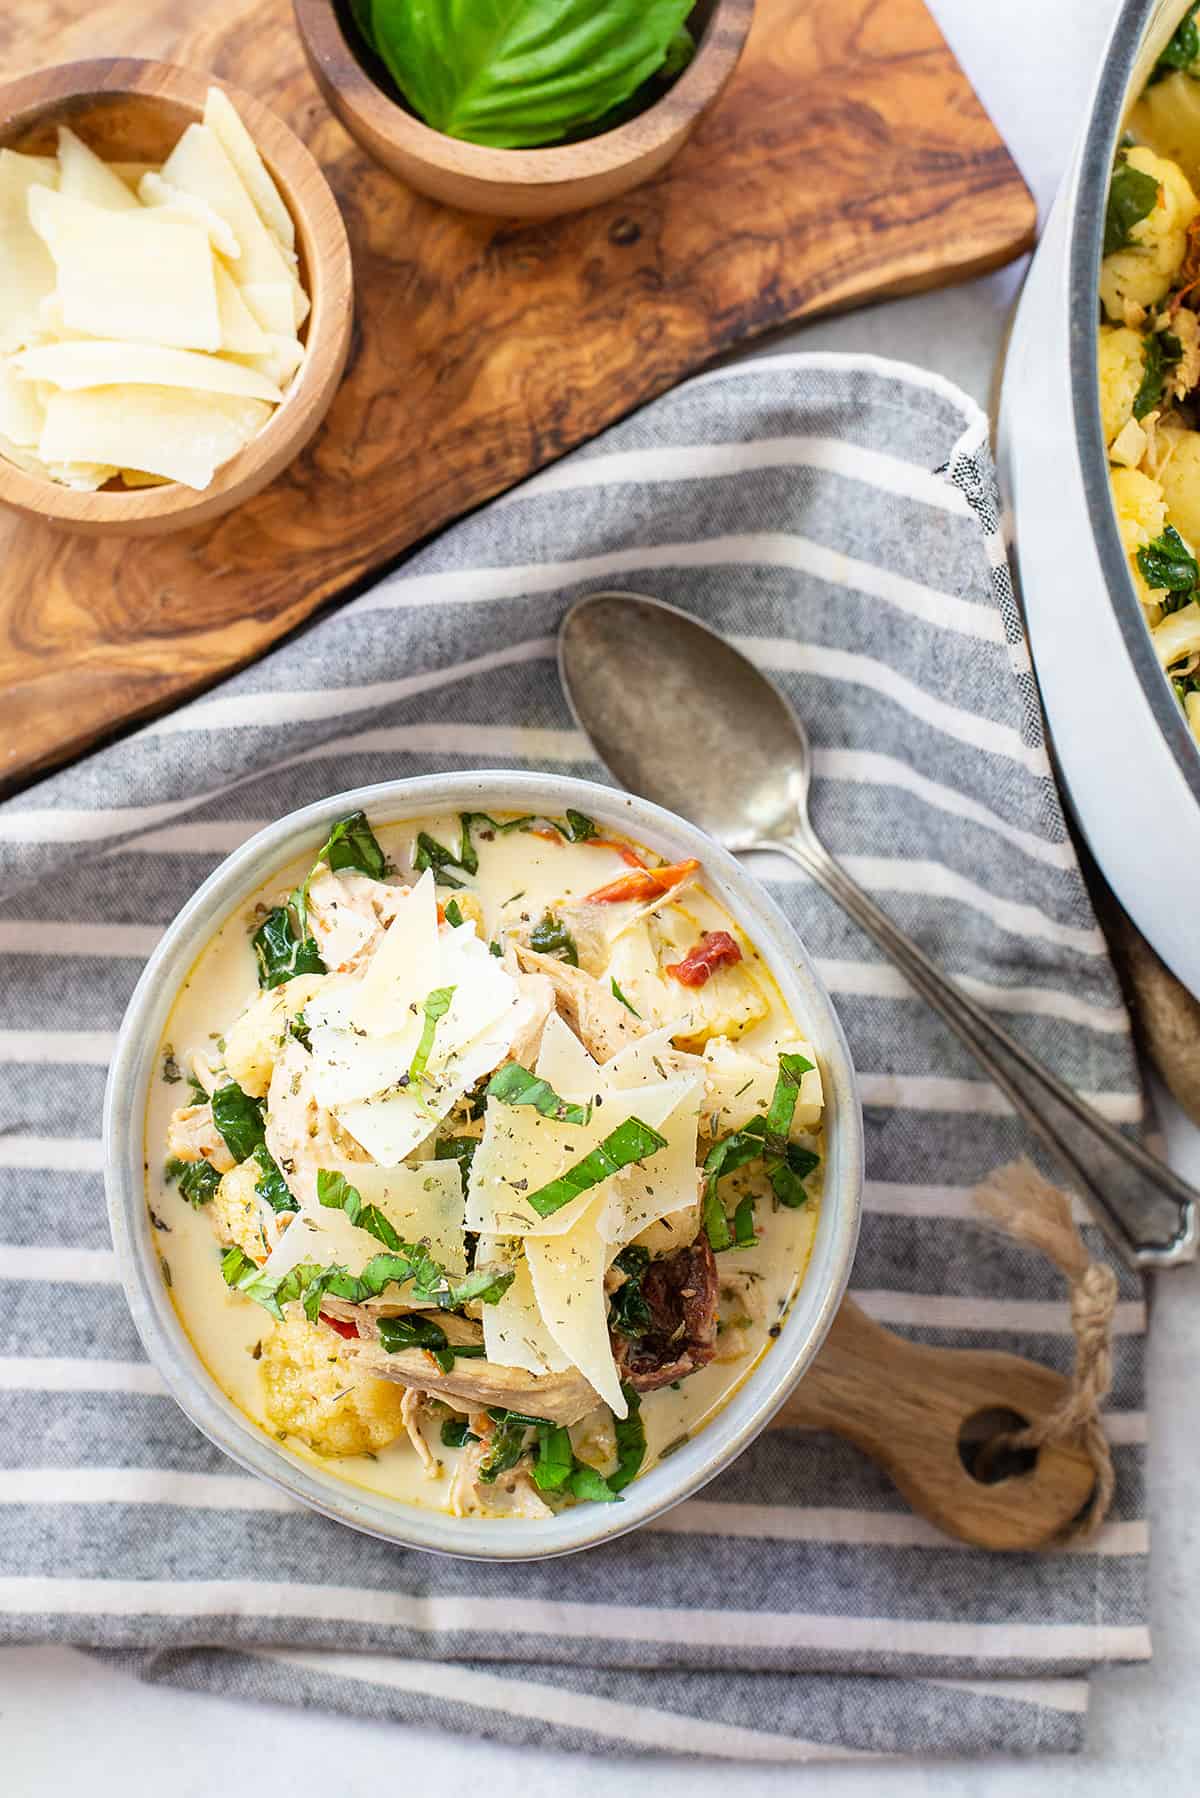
{"x": 174, "y": 202}
{"x": 161, "y": 430}
{"x": 222, "y": 119}
{"x": 93, "y": 362}
{"x": 565, "y": 1064}
{"x": 241, "y": 333}
{"x": 28, "y": 265}
{"x": 199, "y": 165}
{"x": 514, "y": 1331}
{"x": 83, "y": 176}
{"x": 567, "y": 1274}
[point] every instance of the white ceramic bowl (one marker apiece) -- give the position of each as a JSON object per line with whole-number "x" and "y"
{"x": 166, "y": 1343}
{"x": 1126, "y": 756}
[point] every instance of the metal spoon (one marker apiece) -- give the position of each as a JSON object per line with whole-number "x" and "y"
{"x": 679, "y": 716}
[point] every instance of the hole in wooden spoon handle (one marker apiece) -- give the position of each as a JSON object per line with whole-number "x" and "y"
{"x": 908, "y": 1406}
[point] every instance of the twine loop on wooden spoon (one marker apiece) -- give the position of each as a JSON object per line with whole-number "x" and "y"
{"x": 1028, "y": 1208}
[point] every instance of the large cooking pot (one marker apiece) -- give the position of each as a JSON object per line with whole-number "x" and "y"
{"x": 1127, "y": 758}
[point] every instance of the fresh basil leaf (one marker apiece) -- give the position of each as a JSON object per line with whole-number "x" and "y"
{"x": 788, "y": 1172}
{"x": 555, "y": 1458}
{"x": 579, "y": 827}
{"x": 680, "y": 52}
{"x": 618, "y": 994}
{"x": 515, "y": 1085}
{"x": 629, "y": 1142}
{"x": 516, "y": 73}
{"x": 336, "y": 1193}
{"x": 239, "y": 1118}
{"x": 271, "y": 1184}
{"x": 792, "y": 1069}
{"x": 1132, "y": 196}
{"x": 1182, "y": 50}
{"x": 631, "y": 1442}
{"x": 429, "y": 853}
{"x": 399, "y": 1333}
{"x": 437, "y": 1004}
{"x": 353, "y": 844}
{"x": 551, "y": 937}
{"x": 744, "y": 1236}
{"x": 714, "y": 1221}
{"x": 281, "y": 953}
{"x": 197, "y": 1180}
{"x": 1167, "y": 562}
{"x": 453, "y": 914}
{"x": 628, "y": 1312}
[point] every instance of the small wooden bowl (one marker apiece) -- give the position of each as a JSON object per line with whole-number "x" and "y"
{"x": 516, "y": 183}
{"x": 134, "y": 111}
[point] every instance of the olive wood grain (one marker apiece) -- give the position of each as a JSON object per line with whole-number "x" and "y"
{"x": 130, "y": 110}
{"x": 905, "y": 1404}
{"x": 848, "y": 159}
{"x": 540, "y": 183}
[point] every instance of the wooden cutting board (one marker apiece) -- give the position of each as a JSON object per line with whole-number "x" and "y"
{"x": 848, "y": 160}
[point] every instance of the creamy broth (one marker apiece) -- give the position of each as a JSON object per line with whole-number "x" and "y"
{"x": 521, "y": 876}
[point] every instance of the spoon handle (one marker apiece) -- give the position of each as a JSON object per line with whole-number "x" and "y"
{"x": 1148, "y": 1212}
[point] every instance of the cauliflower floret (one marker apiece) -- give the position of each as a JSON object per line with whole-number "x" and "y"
{"x": 192, "y": 1135}
{"x": 1178, "y": 474}
{"x": 1121, "y": 369}
{"x": 238, "y": 1215}
{"x": 312, "y": 1392}
{"x": 253, "y": 1042}
{"x": 1141, "y": 515}
{"x": 1143, "y": 272}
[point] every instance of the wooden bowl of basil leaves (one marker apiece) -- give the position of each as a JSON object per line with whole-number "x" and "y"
{"x": 572, "y": 103}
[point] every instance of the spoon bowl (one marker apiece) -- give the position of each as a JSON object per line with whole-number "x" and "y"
{"x": 678, "y": 715}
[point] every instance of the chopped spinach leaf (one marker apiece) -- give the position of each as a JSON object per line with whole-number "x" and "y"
{"x": 458, "y": 1148}
{"x": 1182, "y": 50}
{"x": 551, "y": 937}
{"x": 353, "y": 844}
{"x": 515, "y": 1085}
{"x": 628, "y": 1312}
{"x": 629, "y": 1142}
{"x": 792, "y": 1069}
{"x": 239, "y": 1118}
{"x": 744, "y": 1236}
{"x": 399, "y": 1333}
{"x": 429, "y": 853}
{"x": 1167, "y": 562}
{"x": 197, "y": 1180}
{"x": 456, "y": 1433}
{"x": 586, "y": 1482}
{"x": 506, "y": 1445}
{"x": 453, "y": 914}
{"x": 555, "y": 1458}
{"x": 437, "y": 1004}
{"x": 197, "y": 1091}
{"x": 579, "y": 827}
{"x": 271, "y": 1184}
{"x": 281, "y": 953}
{"x": 618, "y": 994}
{"x": 1159, "y": 351}
{"x": 1132, "y": 196}
{"x": 631, "y": 1442}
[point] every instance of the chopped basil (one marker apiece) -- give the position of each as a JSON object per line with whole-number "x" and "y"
{"x": 281, "y": 953}
{"x": 618, "y": 994}
{"x": 496, "y": 950}
{"x": 506, "y": 1444}
{"x": 429, "y": 853}
{"x": 586, "y": 1482}
{"x": 437, "y": 1004}
{"x": 551, "y": 937}
{"x": 271, "y": 1184}
{"x": 197, "y": 1091}
{"x": 1167, "y": 562}
{"x": 579, "y": 828}
{"x": 299, "y": 1031}
{"x": 631, "y": 1442}
{"x": 1131, "y": 197}
{"x": 453, "y": 914}
{"x": 399, "y": 1333}
{"x": 555, "y": 1458}
{"x": 785, "y": 1163}
{"x": 1183, "y": 49}
{"x": 309, "y": 1282}
{"x": 629, "y": 1142}
{"x": 456, "y": 1433}
{"x": 1159, "y": 351}
{"x": 353, "y": 844}
{"x": 628, "y": 1312}
{"x": 515, "y": 1085}
{"x": 335, "y": 1192}
{"x": 197, "y": 1180}
{"x": 744, "y": 1236}
{"x": 239, "y": 1118}
{"x": 792, "y": 1069}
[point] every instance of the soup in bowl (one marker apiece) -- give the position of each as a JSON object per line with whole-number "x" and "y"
{"x": 484, "y": 1160}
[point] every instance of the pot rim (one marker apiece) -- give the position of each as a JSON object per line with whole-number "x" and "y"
{"x": 1083, "y": 286}
{"x": 762, "y": 1391}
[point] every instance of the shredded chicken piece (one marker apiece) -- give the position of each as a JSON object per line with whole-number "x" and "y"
{"x": 558, "y": 1397}
{"x": 192, "y": 1135}
{"x": 602, "y": 1024}
{"x": 301, "y": 1135}
{"x": 348, "y": 914}
{"x": 1186, "y": 372}
{"x": 535, "y": 1002}
{"x": 412, "y": 1411}
{"x": 511, "y": 1494}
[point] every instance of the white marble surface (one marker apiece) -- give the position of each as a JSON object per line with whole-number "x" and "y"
{"x": 66, "y": 1722}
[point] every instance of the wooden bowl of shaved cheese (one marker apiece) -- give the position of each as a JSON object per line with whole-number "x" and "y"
{"x": 175, "y": 296}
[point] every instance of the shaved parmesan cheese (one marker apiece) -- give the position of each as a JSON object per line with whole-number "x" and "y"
{"x": 514, "y": 1332}
{"x": 22, "y": 458}
{"x": 22, "y": 412}
{"x": 129, "y": 274}
{"x": 567, "y": 1274}
{"x": 90, "y": 362}
{"x": 222, "y": 119}
{"x": 649, "y": 1059}
{"x": 391, "y": 1127}
{"x": 739, "y": 1086}
{"x": 42, "y": 170}
{"x": 280, "y": 358}
{"x": 154, "y": 191}
{"x": 399, "y": 974}
{"x": 132, "y": 172}
{"x": 665, "y": 1182}
{"x": 271, "y": 304}
{"x": 28, "y": 266}
{"x": 521, "y": 1151}
{"x": 200, "y": 166}
{"x": 565, "y": 1064}
{"x": 84, "y": 477}
{"x": 241, "y": 333}
{"x": 161, "y": 430}
{"x": 422, "y": 1204}
{"x": 83, "y": 176}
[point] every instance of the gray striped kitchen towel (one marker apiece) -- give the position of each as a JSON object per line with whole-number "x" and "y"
{"x": 836, "y": 517}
